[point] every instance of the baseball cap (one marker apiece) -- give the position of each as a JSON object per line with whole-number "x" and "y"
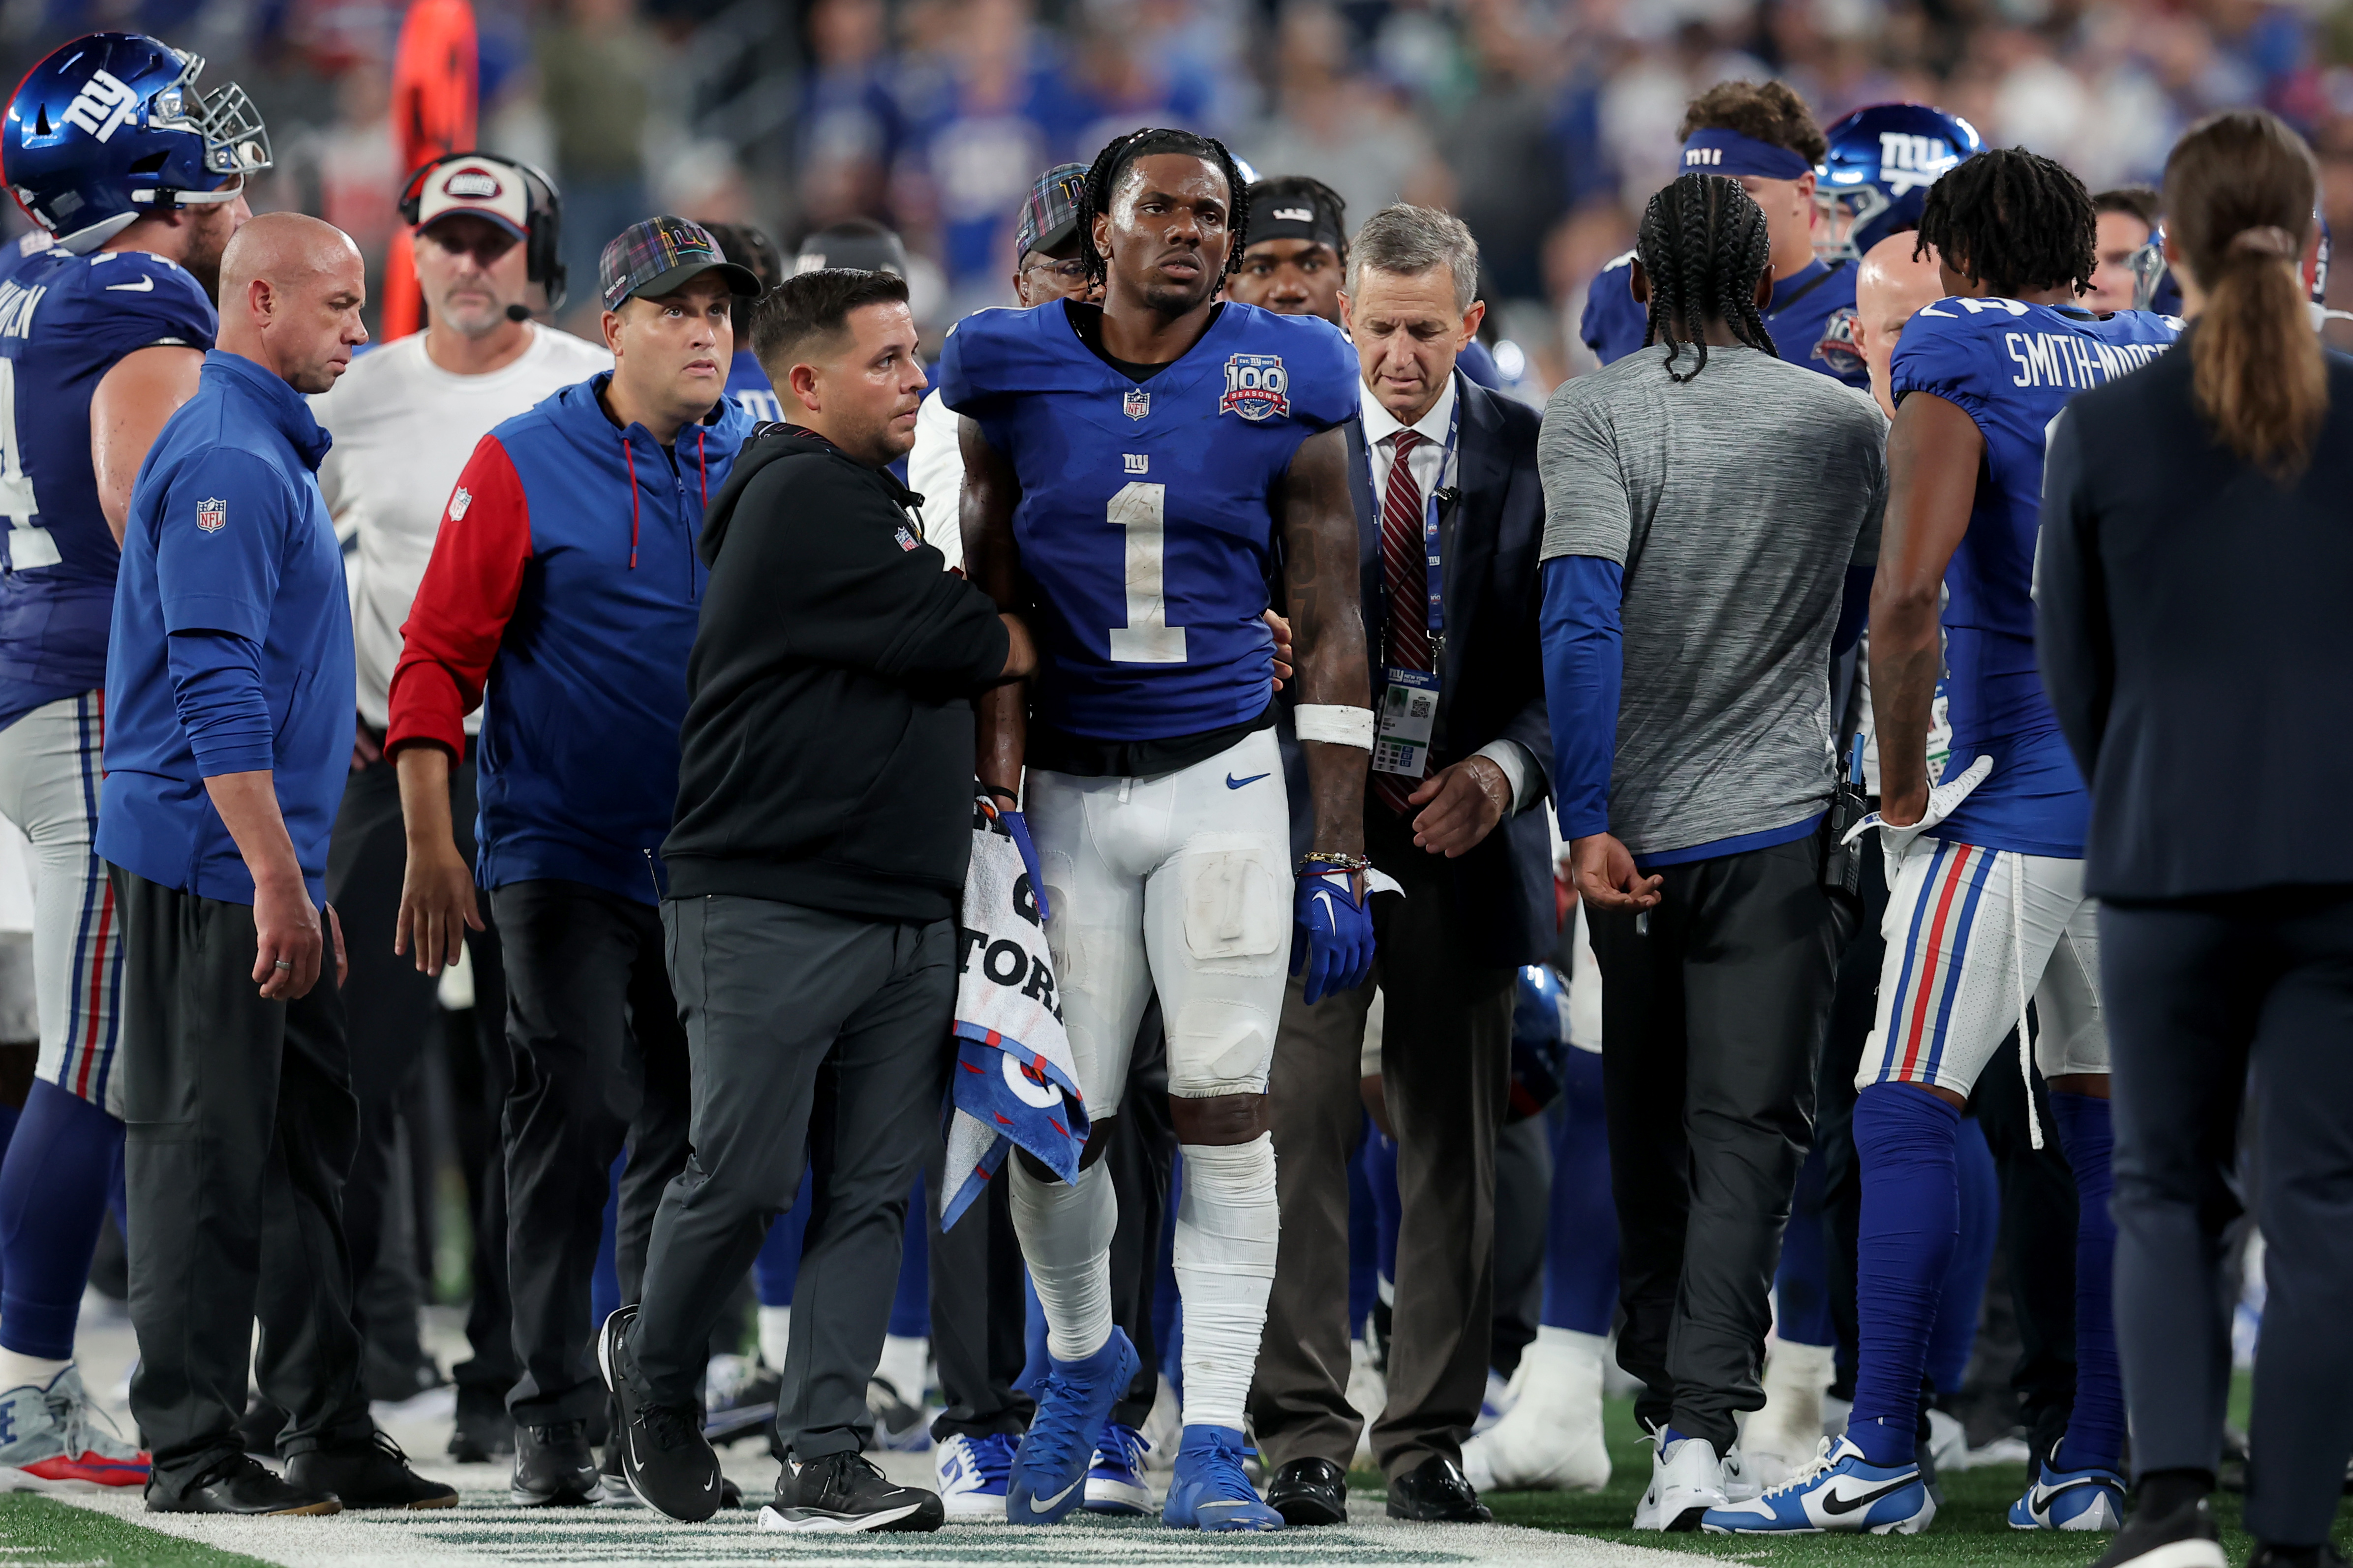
{"x": 656, "y": 255}
{"x": 1297, "y": 209}
{"x": 1051, "y": 211}
{"x": 861, "y": 245}
{"x": 477, "y": 184}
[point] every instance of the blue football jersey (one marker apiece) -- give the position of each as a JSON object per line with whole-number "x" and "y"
{"x": 65, "y": 321}
{"x": 747, "y": 384}
{"x": 1146, "y": 522}
{"x": 1811, "y": 318}
{"x": 2012, "y": 367}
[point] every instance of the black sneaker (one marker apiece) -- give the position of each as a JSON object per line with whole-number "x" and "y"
{"x": 259, "y": 1426}
{"x": 667, "y": 1462}
{"x": 843, "y": 1492}
{"x": 483, "y": 1431}
{"x": 241, "y": 1485}
{"x": 373, "y": 1474}
{"x": 554, "y": 1466}
{"x": 742, "y": 1405}
{"x": 2181, "y": 1537}
{"x": 2324, "y": 1555}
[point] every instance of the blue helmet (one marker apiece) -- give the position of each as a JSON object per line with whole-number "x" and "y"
{"x": 110, "y": 128}
{"x": 1880, "y": 163}
{"x": 1539, "y": 1035}
{"x": 2156, "y": 288}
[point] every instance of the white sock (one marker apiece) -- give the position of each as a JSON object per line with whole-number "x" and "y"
{"x": 1066, "y": 1231}
{"x": 776, "y": 1335}
{"x": 904, "y": 1356}
{"x": 1226, "y": 1224}
{"x": 19, "y": 1370}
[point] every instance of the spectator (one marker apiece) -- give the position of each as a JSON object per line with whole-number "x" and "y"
{"x": 594, "y": 65}
{"x": 1326, "y": 120}
{"x": 563, "y": 583}
{"x": 852, "y": 129}
{"x": 1715, "y": 935}
{"x": 230, "y": 686}
{"x": 2224, "y": 956}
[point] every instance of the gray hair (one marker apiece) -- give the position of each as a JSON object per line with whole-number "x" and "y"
{"x": 1408, "y": 241}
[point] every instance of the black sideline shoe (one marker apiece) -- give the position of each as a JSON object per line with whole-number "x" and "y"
{"x": 1435, "y": 1493}
{"x": 1310, "y": 1491}
{"x": 2182, "y": 1537}
{"x": 667, "y": 1462}
{"x": 842, "y": 1493}
{"x": 553, "y": 1466}
{"x": 242, "y": 1485}
{"x": 2324, "y": 1555}
{"x": 373, "y": 1474}
{"x": 484, "y": 1432}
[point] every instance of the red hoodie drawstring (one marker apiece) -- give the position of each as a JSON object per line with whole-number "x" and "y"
{"x": 630, "y": 458}
{"x": 703, "y": 464}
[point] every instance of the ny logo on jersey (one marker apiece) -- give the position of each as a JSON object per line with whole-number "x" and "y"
{"x": 212, "y": 516}
{"x": 458, "y": 503}
{"x": 103, "y": 105}
{"x": 1136, "y": 462}
{"x": 1138, "y": 403}
{"x": 1257, "y": 387}
{"x": 1908, "y": 162}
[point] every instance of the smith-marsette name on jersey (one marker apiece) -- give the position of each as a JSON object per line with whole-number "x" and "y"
{"x": 16, "y": 307}
{"x": 2063, "y": 359}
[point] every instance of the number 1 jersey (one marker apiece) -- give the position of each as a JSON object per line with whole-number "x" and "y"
{"x": 1146, "y": 521}
{"x": 65, "y": 321}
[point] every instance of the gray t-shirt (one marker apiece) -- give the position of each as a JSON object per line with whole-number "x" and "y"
{"x": 1735, "y": 501}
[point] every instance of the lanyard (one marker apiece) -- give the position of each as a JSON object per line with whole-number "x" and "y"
{"x": 1434, "y": 556}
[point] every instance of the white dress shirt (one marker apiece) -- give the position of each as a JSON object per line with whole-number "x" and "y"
{"x": 1433, "y": 466}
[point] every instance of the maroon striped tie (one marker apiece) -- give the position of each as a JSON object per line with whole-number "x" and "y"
{"x": 1405, "y": 573}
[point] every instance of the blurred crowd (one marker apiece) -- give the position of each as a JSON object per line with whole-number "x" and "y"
{"x": 1544, "y": 124}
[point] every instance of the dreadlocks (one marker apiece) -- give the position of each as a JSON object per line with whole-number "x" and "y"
{"x": 1102, "y": 179}
{"x": 1704, "y": 245}
{"x": 2012, "y": 219}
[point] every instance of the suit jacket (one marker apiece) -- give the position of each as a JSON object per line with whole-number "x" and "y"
{"x": 1491, "y": 676}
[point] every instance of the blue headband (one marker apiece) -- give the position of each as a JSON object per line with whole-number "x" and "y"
{"x": 1730, "y": 153}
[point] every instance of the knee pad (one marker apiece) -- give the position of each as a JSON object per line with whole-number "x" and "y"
{"x": 1219, "y": 1046}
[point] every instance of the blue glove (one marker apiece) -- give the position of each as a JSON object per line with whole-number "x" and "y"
{"x": 1019, "y": 827}
{"x": 1334, "y": 936}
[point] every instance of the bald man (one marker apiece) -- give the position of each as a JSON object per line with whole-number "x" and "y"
{"x": 229, "y": 696}
{"x": 1890, "y": 286}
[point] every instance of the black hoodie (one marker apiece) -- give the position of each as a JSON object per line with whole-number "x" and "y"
{"x": 826, "y": 756}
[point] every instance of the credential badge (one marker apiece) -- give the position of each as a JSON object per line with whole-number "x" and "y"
{"x": 1138, "y": 403}
{"x": 212, "y": 516}
{"x": 1256, "y": 387}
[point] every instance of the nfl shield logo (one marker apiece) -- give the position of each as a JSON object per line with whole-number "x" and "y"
{"x": 211, "y": 515}
{"x": 1138, "y": 404}
{"x": 1256, "y": 387}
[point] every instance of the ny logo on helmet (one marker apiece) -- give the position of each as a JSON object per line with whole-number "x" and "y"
{"x": 102, "y": 106}
{"x": 1908, "y": 162}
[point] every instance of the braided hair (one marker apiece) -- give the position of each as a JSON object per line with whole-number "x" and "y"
{"x": 1110, "y": 163}
{"x": 2013, "y": 219}
{"x": 1704, "y": 244}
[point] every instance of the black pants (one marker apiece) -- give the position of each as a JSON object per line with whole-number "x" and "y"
{"x": 977, "y": 1306}
{"x": 393, "y": 1013}
{"x": 241, "y": 1125}
{"x": 2207, "y": 1000}
{"x": 599, "y": 1059}
{"x": 820, "y": 1041}
{"x": 1713, "y": 1008}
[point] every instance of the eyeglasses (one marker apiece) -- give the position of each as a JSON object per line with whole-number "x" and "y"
{"x": 1072, "y": 270}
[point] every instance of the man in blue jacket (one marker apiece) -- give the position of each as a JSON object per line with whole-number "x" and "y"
{"x": 229, "y": 688}
{"x": 565, "y": 578}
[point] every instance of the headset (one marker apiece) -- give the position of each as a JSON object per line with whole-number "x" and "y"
{"x": 542, "y": 261}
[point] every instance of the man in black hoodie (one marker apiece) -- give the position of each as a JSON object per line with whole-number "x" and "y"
{"x": 823, "y": 827}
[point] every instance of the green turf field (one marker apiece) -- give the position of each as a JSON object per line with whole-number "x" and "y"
{"x": 41, "y": 1531}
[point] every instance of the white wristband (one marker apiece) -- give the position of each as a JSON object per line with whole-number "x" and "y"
{"x": 1335, "y": 725}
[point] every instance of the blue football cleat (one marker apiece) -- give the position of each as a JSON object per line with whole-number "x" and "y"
{"x": 1209, "y": 1490}
{"x": 1115, "y": 1483}
{"x": 1839, "y": 1490}
{"x": 2091, "y": 1499}
{"x": 1075, "y": 1401}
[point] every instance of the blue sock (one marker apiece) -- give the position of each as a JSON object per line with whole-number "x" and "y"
{"x": 1964, "y": 1293}
{"x": 604, "y": 1280}
{"x": 911, "y": 1309}
{"x": 1580, "y": 1289}
{"x": 54, "y": 1186}
{"x": 778, "y": 1265}
{"x": 1802, "y": 1285}
{"x": 2095, "y": 1432}
{"x": 1364, "y": 1240}
{"x": 8, "y": 1114}
{"x": 1911, "y": 1220}
{"x": 1381, "y": 1174}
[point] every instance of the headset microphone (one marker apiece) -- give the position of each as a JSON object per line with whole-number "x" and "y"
{"x": 518, "y": 312}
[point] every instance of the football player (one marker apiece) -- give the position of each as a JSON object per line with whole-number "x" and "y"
{"x": 1988, "y": 905}
{"x": 1138, "y": 471}
{"x": 136, "y": 179}
{"x": 1298, "y": 251}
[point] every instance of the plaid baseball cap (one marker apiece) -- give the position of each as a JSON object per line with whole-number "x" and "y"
{"x": 1051, "y": 212}
{"x": 657, "y": 255}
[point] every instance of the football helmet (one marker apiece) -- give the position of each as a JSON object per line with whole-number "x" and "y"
{"x": 1874, "y": 179}
{"x": 112, "y": 126}
{"x": 1539, "y": 1035}
{"x": 2155, "y": 289}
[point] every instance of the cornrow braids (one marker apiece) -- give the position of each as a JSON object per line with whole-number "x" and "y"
{"x": 1110, "y": 163}
{"x": 1704, "y": 244}
{"x": 2012, "y": 219}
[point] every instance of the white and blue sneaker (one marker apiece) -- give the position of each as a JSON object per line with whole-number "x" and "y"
{"x": 2090, "y": 1498}
{"x": 1115, "y": 1484}
{"x": 1074, "y": 1402}
{"x": 1839, "y": 1490}
{"x": 974, "y": 1473}
{"x": 1210, "y": 1491}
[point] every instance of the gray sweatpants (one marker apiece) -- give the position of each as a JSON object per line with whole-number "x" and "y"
{"x": 818, "y": 1039}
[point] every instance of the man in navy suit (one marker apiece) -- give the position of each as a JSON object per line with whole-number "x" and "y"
{"x": 1450, "y": 517}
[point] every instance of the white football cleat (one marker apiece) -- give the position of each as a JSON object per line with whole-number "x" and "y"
{"x": 1782, "y": 1437}
{"x": 1687, "y": 1480}
{"x": 1550, "y": 1439}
